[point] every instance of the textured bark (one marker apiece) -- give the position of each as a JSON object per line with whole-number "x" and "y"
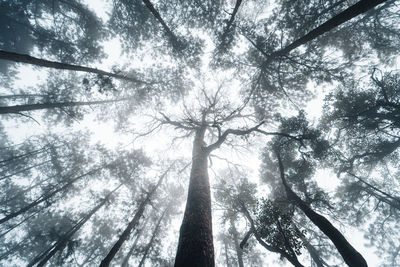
{"x": 239, "y": 251}
{"x": 23, "y": 58}
{"x": 195, "y": 246}
{"x": 45, "y": 256}
{"x": 132, "y": 224}
{"x": 350, "y": 255}
{"x": 346, "y": 15}
{"x": 30, "y": 107}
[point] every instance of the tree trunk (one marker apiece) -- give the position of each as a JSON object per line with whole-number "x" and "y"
{"x": 153, "y": 236}
{"x": 157, "y": 15}
{"x": 30, "y": 107}
{"x": 239, "y": 251}
{"x": 196, "y": 246}
{"x": 24, "y": 170}
{"x": 139, "y": 233}
{"x": 44, "y": 198}
{"x": 30, "y": 153}
{"x": 350, "y": 255}
{"x": 230, "y": 21}
{"x": 344, "y": 16}
{"x": 132, "y": 224}
{"x": 387, "y": 198}
{"x": 45, "y": 256}
{"x": 290, "y": 258}
{"x": 311, "y": 250}
{"x": 226, "y": 253}
{"x": 23, "y": 58}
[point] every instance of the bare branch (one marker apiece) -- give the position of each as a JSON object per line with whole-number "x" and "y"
{"x": 223, "y": 137}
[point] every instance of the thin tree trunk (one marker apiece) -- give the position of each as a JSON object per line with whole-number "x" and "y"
{"x": 30, "y": 153}
{"x": 153, "y": 236}
{"x": 293, "y": 260}
{"x": 195, "y": 246}
{"x": 30, "y": 107}
{"x": 231, "y": 20}
{"x": 24, "y": 170}
{"x": 157, "y": 15}
{"x": 24, "y": 58}
{"x": 45, "y": 256}
{"x": 311, "y": 250}
{"x": 132, "y": 224}
{"x": 239, "y": 251}
{"x": 344, "y": 16}
{"x": 44, "y": 198}
{"x": 350, "y": 255}
{"x": 21, "y": 96}
{"x": 139, "y": 233}
{"x": 226, "y": 253}
{"x": 389, "y": 199}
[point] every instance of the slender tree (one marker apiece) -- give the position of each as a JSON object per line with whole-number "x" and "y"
{"x": 350, "y": 255}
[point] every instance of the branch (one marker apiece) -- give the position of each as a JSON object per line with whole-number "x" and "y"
{"x": 223, "y": 137}
{"x": 177, "y": 124}
{"x": 24, "y": 58}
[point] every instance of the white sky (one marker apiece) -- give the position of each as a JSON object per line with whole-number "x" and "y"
{"x": 158, "y": 143}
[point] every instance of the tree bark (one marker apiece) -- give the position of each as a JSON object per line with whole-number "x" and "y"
{"x": 21, "y": 108}
{"x": 350, "y": 255}
{"x": 24, "y": 58}
{"x": 132, "y": 224}
{"x": 196, "y": 246}
{"x": 344, "y": 16}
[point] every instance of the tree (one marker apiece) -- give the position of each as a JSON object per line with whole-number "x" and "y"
{"x": 107, "y": 95}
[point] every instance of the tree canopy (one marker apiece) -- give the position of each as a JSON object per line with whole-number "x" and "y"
{"x": 199, "y": 133}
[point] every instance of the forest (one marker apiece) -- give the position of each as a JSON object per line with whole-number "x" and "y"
{"x": 194, "y": 133}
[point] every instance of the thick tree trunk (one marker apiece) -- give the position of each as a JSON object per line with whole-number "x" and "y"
{"x": 153, "y": 236}
{"x": 45, "y": 256}
{"x": 30, "y": 107}
{"x": 23, "y": 58}
{"x": 350, "y": 255}
{"x": 239, "y": 251}
{"x": 196, "y": 246}
{"x": 344, "y": 16}
{"x": 132, "y": 224}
